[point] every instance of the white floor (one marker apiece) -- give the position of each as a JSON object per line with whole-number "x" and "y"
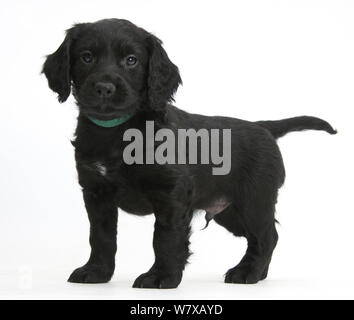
{"x": 37, "y": 257}
{"x": 46, "y": 286}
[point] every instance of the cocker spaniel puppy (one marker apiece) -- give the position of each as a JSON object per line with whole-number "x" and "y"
{"x": 123, "y": 82}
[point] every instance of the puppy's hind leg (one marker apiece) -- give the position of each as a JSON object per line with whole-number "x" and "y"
{"x": 257, "y": 225}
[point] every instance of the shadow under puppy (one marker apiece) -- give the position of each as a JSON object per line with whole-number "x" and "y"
{"x": 121, "y": 77}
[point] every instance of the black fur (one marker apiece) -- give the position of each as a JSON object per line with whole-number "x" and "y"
{"x": 171, "y": 192}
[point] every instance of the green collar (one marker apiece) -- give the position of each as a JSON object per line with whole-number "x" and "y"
{"x": 111, "y": 123}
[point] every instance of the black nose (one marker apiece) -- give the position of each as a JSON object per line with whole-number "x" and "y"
{"x": 105, "y": 89}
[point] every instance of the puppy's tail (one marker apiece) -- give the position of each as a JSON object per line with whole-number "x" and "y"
{"x": 279, "y": 128}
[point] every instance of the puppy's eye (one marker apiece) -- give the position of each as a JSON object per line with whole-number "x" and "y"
{"x": 87, "y": 57}
{"x": 131, "y": 60}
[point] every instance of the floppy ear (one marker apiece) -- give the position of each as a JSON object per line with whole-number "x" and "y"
{"x": 163, "y": 78}
{"x": 57, "y": 70}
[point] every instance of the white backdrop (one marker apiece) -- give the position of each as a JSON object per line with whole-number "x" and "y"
{"x": 247, "y": 59}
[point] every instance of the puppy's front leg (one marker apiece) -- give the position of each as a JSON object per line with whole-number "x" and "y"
{"x": 102, "y": 214}
{"x": 171, "y": 240}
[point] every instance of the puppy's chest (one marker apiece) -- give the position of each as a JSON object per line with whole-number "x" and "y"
{"x": 129, "y": 195}
{"x": 97, "y": 167}
{"x": 108, "y": 170}
{"x": 111, "y": 171}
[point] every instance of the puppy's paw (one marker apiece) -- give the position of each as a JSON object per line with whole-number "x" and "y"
{"x": 90, "y": 273}
{"x": 244, "y": 274}
{"x": 154, "y": 279}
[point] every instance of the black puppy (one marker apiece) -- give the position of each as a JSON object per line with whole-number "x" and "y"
{"x": 121, "y": 77}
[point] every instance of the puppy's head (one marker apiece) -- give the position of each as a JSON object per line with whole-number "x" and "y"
{"x": 113, "y": 68}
